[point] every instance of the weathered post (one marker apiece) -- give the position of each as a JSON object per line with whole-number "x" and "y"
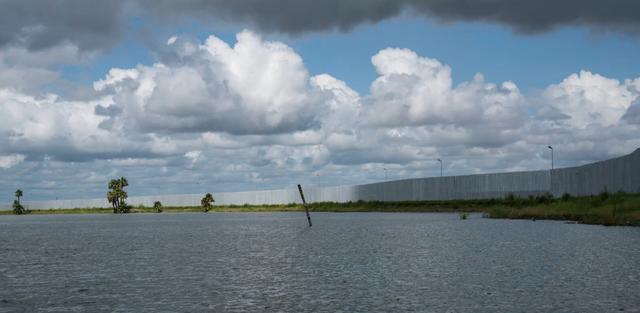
{"x": 304, "y": 203}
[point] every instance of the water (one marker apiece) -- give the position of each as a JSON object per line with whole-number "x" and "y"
{"x": 361, "y": 262}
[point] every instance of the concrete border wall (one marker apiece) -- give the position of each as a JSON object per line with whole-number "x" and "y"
{"x": 621, "y": 173}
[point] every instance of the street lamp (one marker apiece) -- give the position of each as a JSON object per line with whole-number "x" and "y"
{"x": 439, "y": 160}
{"x": 385, "y": 172}
{"x": 550, "y": 147}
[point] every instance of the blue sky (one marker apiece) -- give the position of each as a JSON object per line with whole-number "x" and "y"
{"x": 531, "y": 61}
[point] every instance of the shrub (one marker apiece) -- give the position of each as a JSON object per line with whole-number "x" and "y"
{"x": 510, "y": 198}
{"x": 619, "y": 194}
{"x": 207, "y": 202}
{"x": 18, "y": 209}
{"x": 604, "y": 195}
{"x": 157, "y": 206}
{"x": 544, "y": 198}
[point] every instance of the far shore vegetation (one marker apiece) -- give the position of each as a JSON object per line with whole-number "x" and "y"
{"x": 207, "y": 202}
{"x": 603, "y": 209}
{"x": 18, "y": 209}
{"x": 117, "y": 196}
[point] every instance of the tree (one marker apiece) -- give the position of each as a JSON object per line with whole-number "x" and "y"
{"x": 207, "y": 202}
{"x": 18, "y": 194}
{"x": 117, "y": 195}
{"x": 157, "y": 206}
{"x": 18, "y": 209}
{"x": 17, "y": 206}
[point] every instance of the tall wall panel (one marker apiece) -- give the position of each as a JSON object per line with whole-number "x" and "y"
{"x": 619, "y": 174}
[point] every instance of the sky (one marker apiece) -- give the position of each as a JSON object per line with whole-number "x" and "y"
{"x": 210, "y": 96}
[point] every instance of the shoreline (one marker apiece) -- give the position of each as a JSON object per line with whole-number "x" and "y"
{"x": 619, "y": 209}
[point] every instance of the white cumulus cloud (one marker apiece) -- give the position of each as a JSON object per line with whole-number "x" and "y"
{"x": 253, "y": 111}
{"x": 253, "y": 87}
{"x": 415, "y": 90}
{"x": 586, "y": 98}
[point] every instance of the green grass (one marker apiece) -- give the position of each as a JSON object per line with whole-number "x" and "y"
{"x": 64, "y": 211}
{"x": 603, "y": 209}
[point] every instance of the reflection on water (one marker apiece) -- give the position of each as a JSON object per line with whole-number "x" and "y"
{"x": 361, "y": 262}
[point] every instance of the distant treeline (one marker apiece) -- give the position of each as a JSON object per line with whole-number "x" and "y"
{"x": 606, "y": 208}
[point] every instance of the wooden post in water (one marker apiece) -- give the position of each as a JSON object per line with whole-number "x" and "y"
{"x": 304, "y": 203}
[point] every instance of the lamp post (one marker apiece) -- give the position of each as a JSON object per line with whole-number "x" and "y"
{"x": 439, "y": 160}
{"x": 385, "y": 173}
{"x": 551, "y": 148}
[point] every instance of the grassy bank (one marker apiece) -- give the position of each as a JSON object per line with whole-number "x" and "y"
{"x": 604, "y": 209}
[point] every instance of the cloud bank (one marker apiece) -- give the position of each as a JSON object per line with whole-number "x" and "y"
{"x": 91, "y": 25}
{"x": 249, "y": 115}
{"x": 253, "y": 87}
{"x": 525, "y": 16}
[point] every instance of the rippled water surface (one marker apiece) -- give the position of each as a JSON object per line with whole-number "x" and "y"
{"x": 361, "y": 262}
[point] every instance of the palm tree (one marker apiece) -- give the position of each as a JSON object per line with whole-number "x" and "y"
{"x": 18, "y": 194}
{"x": 111, "y": 197}
{"x": 117, "y": 196}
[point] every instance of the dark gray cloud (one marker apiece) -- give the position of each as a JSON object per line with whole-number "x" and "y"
{"x": 94, "y": 25}
{"x": 298, "y": 16}
{"x": 533, "y": 16}
{"x": 37, "y": 25}
{"x": 289, "y": 16}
